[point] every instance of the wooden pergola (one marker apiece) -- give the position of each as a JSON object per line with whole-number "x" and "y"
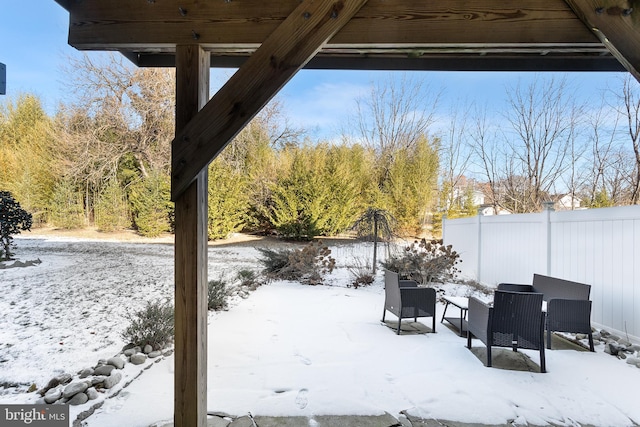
{"x": 270, "y": 40}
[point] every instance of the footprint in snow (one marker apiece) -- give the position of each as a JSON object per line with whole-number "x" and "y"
{"x": 301, "y": 398}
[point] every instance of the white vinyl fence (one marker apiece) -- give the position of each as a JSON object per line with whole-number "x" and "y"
{"x": 600, "y": 247}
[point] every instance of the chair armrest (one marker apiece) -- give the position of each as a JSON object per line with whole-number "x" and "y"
{"x": 569, "y": 315}
{"x": 478, "y": 318}
{"x": 515, "y": 287}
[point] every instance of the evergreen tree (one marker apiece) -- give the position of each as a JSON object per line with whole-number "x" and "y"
{"x": 228, "y": 200}
{"x": 111, "y": 208}
{"x": 66, "y": 210}
{"x": 151, "y": 204}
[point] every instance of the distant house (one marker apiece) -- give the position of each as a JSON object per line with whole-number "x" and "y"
{"x": 566, "y": 202}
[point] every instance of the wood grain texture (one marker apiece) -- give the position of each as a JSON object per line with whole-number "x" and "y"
{"x": 190, "y": 382}
{"x": 284, "y": 52}
{"x": 123, "y": 24}
{"x": 617, "y": 25}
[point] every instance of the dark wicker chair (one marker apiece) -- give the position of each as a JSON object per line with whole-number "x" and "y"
{"x": 406, "y": 300}
{"x": 515, "y": 320}
{"x": 568, "y": 304}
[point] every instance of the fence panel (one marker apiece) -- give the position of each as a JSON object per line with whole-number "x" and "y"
{"x": 600, "y": 247}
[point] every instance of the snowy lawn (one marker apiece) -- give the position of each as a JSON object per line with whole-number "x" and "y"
{"x": 288, "y": 349}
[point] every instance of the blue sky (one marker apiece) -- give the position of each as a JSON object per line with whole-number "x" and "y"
{"x": 33, "y": 45}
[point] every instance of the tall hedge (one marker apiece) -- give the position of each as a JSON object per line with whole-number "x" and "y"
{"x": 151, "y": 204}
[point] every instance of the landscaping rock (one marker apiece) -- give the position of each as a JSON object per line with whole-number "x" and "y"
{"x": 118, "y": 362}
{"x": 138, "y": 358}
{"x": 86, "y": 372}
{"x": 92, "y": 393}
{"x": 98, "y": 379}
{"x": 52, "y": 395}
{"x": 147, "y": 349}
{"x": 78, "y": 399}
{"x": 104, "y": 370}
{"x": 129, "y": 352}
{"x": 154, "y": 354}
{"x": 112, "y": 380}
{"x": 74, "y": 388}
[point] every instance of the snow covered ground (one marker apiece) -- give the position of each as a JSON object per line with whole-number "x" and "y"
{"x": 288, "y": 349}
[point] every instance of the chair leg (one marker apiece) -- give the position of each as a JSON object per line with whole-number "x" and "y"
{"x": 399, "y": 323}
{"x": 469, "y": 340}
{"x": 591, "y": 342}
{"x": 488, "y": 356}
{"x": 549, "y": 339}
{"x": 433, "y": 329}
{"x": 384, "y": 311}
{"x": 543, "y": 365}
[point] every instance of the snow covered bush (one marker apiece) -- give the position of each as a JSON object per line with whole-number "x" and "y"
{"x": 307, "y": 265}
{"x": 425, "y": 261}
{"x": 153, "y": 325}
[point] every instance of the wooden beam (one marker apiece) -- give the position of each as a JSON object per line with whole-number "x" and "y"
{"x": 282, "y": 54}
{"x": 617, "y": 24}
{"x": 127, "y": 25}
{"x": 190, "y": 382}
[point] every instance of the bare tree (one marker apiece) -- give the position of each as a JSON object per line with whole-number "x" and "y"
{"x": 395, "y": 113}
{"x": 631, "y": 112}
{"x": 487, "y": 157}
{"x": 543, "y": 119}
{"x": 601, "y": 180}
{"x": 455, "y": 158}
{"x": 118, "y": 113}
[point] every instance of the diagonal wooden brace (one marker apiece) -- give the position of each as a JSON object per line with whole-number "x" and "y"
{"x": 618, "y": 28}
{"x": 273, "y": 64}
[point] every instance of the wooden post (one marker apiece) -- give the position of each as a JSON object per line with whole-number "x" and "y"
{"x": 190, "y": 382}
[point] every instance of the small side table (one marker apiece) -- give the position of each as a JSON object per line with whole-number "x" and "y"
{"x": 459, "y": 322}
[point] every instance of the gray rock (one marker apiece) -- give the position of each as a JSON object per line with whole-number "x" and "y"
{"x": 92, "y": 393}
{"x": 78, "y": 399}
{"x": 138, "y": 358}
{"x": 154, "y": 354}
{"x": 118, "y": 362}
{"x": 581, "y": 336}
{"x": 56, "y": 381}
{"x": 630, "y": 361}
{"x": 52, "y": 395}
{"x": 74, "y": 388}
{"x": 596, "y": 335}
{"x": 147, "y": 349}
{"x": 112, "y": 380}
{"x": 129, "y": 352}
{"x": 104, "y": 370}
{"x": 86, "y": 372}
{"x": 98, "y": 379}
{"x": 635, "y": 347}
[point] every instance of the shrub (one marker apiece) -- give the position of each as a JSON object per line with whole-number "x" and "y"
{"x": 217, "y": 295}
{"x": 248, "y": 279}
{"x": 361, "y": 273}
{"x": 13, "y": 219}
{"x": 153, "y": 325}
{"x": 308, "y": 265}
{"x": 151, "y": 204}
{"x": 425, "y": 261}
{"x": 111, "y": 209}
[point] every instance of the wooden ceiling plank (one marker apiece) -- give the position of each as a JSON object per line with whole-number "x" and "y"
{"x": 617, "y": 25}
{"x": 278, "y": 59}
{"x": 126, "y": 25}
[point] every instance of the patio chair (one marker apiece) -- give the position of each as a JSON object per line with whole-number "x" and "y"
{"x": 406, "y": 300}
{"x": 515, "y": 320}
{"x": 568, "y": 304}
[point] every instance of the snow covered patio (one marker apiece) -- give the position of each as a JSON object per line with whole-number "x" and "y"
{"x": 286, "y": 350}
